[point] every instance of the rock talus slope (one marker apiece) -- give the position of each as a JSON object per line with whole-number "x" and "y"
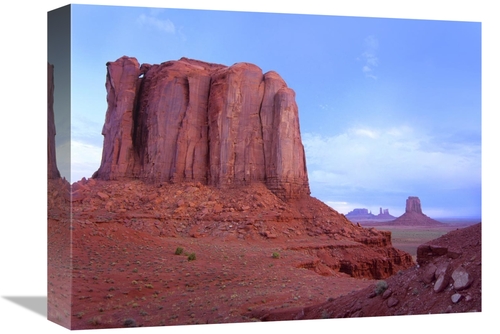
{"x": 447, "y": 280}
{"x": 192, "y": 121}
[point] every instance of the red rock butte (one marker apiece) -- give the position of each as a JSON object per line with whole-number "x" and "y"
{"x": 192, "y": 121}
{"x": 414, "y": 216}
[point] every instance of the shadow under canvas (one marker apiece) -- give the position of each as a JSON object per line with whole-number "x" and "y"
{"x": 37, "y": 304}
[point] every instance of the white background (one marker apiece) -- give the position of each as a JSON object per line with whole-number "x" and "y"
{"x": 23, "y": 165}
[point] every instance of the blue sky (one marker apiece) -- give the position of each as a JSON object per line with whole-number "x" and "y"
{"x": 389, "y": 108}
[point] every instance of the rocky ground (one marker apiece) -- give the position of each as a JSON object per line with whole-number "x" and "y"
{"x": 252, "y": 250}
{"x": 447, "y": 279}
{"x": 174, "y": 254}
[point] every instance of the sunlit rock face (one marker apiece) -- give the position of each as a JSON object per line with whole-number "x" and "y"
{"x": 192, "y": 121}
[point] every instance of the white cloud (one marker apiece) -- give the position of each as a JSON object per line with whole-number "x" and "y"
{"x": 393, "y": 159}
{"x": 363, "y": 132}
{"x": 371, "y": 43}
{"x": 85, "y": 160}
{"x": 370, "y": 57}
{"x": 163, "y": 25}
{"x": 343, "y": 207}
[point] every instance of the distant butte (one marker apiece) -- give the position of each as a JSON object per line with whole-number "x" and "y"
{"x": 358, "y": 215}
{"x": 414, "y": 216}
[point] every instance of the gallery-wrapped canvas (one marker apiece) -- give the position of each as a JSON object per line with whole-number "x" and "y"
{"x": 213, "y": 167}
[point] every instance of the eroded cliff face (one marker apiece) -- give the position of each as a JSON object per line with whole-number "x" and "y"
{"x": 191, "y": 121}
{"x": 52, "y": 171}
{"x": 122, "y": 82}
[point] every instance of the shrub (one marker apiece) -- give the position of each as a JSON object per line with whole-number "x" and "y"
{"x": 380, "y": 287}
{"x": 129, "y": 323}
{"x": 276, "y": 255}
{"x": 179, "y": 251}
{"x": 192, "y": 257}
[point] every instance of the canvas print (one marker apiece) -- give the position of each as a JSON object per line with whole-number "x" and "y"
{"x": 211, "y": 167}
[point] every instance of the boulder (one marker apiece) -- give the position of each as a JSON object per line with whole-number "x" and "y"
{"x": 440, "y": 284}
{"x": 461, "y": 279}
{"x": 427, "y": 252}
{"x": 391, "y": 302}
{"x": 428, "y": 273}
{"x": 387, "y": 293}
{"x": 455, "y": 298}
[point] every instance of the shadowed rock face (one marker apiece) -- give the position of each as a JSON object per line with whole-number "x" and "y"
{"x": 413, "y": 205}
{"x": 52, "y": 171}
{"x": 191, "y": 121}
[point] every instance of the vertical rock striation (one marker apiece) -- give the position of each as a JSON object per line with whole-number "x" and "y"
{"x": 413, "y": 205}
{"x": 235, "y": 130}
{"x": 122, "y": 81}
{"x": 193, "y": 121}
{"x": 52, "y": 171}
{"x": 171, "y": 132}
